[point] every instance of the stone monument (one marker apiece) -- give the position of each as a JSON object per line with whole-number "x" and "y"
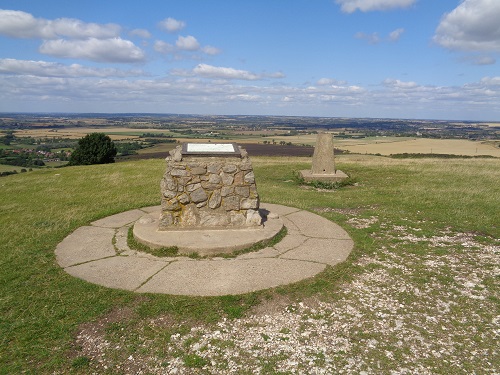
{"x": 323, "y": 163}
{"x": 209, "y": 203}
{"x": 208, "y": 185}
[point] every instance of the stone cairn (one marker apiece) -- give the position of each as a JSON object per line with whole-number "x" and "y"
{"x": 208, "y": 191}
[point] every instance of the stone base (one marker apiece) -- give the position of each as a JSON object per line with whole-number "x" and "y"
{"x": 308, "y": 176}
{"x": 204, "y": 241}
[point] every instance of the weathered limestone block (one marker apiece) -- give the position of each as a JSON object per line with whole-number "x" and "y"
{"x": 229, "y": 168}
{"x": 184, "y": 198}
{"x": 239, "y": 179}
{"x": 231, "y": 203}
{"x": 178, "y": 172}
{"x": 242, "y": 191}
{"x": 215, "y": 199}
{"x": 198, "y": 195}
{"x": 193, "y": 187}
{"x": 237, "y": 218}
{"x": 169, "y": 183}
{"x": 198, "y": 170}
{"x": 214, "y": 179}
{"x": 227, "y": 179}
{"x": 209, "y": 186}
{"x": 190, "y": 216}
{"x": 171, "y": 205}
{"x": 213, "y": 220}
{"x": 208, "y": 190}
{"x": 253, "y": 218}
{"x": 166, "y": 219}
{"x": 214, "y": 167}
{"x": 169, "y": 194}
{"x": 250, "y": 178}
{"x": 226, "y": 190}
{"x": 249, "y": 203}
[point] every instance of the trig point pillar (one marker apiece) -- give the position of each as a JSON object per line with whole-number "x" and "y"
{"x": 323, "y": 163}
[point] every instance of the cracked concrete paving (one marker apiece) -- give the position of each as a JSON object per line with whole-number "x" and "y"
{"x": 99, "y": 254}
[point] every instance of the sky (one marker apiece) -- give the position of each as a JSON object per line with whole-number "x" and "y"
{"x": 415, "y": 59}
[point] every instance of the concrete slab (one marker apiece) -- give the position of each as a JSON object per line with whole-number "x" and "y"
{"x": 292, "y": 228}
{"x": 313, "y": 225}
{"x": 118, "y": 220}
{"x": 327, "y": 251}
{"x": 121, "y": 243}
{"x": 312, "y": 243}
{"x": 278, "y": 209}
{"x": 203, "y": 241}
{"x": 118, "y": 272}
{"x": 85, "y": 244}
{"x": 151, "y": 209}
{"x": 222, "y": 277}
{"x": 309, "y": 176}
{"x": 267, "y": 252}
{"x": 290, "y": 242}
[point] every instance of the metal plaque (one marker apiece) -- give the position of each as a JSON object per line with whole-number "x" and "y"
{"x": 210, "y": 149}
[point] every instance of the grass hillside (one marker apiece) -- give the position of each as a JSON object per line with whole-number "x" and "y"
{"x": 419, "y": 293}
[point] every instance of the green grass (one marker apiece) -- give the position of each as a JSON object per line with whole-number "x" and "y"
{"x": 10, "y": 168}
{"x": 42, "y": 307}
{"x": 170, "y": 251}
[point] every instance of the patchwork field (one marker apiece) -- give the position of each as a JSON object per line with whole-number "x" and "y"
{"x": 369, "y": 145}
{"x": 419, "y": 145}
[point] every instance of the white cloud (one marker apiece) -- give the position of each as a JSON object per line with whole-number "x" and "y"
{"x": 163, "y": 47}
{"x": 350, "y": 6}
{"x": 224, "y": 73}
{"x": 219, "y": 72}
{"x": 18, "y": 24}
{"x": 472, "y": 26}
{"x": 372, "y": 38}
{"x": 396, "y": 34}
{"x": 209, "y": 50}
{"x": 184, "y": 46}
{"x": 187, "y": 43}
{"x": 491, "y": 81}
{"x": 51, "y": 69}
{"x": 172, "y": 25}
{"x": 394, "y": 98}
{"x": 141, "y": 33}
{"x": 329, "y": 82}
{"x": 397, "y": 84}
{"x": 101, "y": 50}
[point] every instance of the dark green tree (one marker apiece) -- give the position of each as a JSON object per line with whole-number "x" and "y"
{"x": 94, "y": 148}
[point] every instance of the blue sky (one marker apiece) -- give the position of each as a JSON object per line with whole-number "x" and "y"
{"x": 425, "y": 59}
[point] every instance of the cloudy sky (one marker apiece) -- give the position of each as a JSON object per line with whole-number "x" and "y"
{"x": 432, "y": 59}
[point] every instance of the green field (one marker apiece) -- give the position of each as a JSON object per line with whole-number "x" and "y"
{"x": 9, "y": 168}
{"x": 418, "y": 295}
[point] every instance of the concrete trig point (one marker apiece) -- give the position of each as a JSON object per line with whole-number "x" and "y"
{"x": 209, "y": 202}
{"x": 323, "y": 163}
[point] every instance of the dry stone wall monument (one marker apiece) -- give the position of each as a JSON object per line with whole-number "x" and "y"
{"x": 323, "y": 163}
{"x": 208, "y": 185}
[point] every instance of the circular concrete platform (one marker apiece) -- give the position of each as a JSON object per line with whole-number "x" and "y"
{"x": 204, "y": 241}
{"x": 99, "y": 254}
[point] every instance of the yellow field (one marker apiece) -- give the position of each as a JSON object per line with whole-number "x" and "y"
{"x": 76, "y": 133}
{"x": 424, "y": 146}
{"x": 399, "y": 145}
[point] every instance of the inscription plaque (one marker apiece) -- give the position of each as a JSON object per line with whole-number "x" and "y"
{"x": 210, "y": 148}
